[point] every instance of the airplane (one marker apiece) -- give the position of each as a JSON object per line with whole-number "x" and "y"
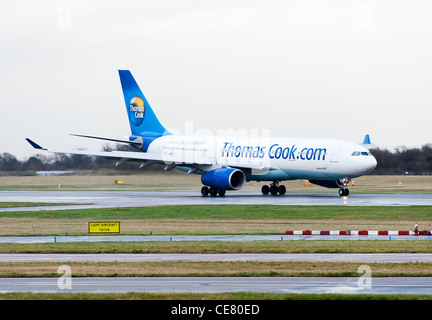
{"x": 226, "y": 162}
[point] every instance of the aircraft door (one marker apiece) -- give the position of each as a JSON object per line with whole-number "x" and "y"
{"x": 334, "y": 155}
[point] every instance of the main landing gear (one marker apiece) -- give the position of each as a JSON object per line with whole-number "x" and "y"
{"x": 205, "y": 191}
{"x": 273, "y": 189}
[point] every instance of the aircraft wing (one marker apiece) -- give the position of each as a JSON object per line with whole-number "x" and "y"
{"x": 151, "y": 158}
{"x": 123, "y": 156}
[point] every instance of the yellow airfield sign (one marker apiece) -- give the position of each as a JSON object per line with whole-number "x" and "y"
{"x": 104, "y": 227}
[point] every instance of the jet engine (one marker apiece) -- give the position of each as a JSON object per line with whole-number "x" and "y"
{"x": 224, "y": 179}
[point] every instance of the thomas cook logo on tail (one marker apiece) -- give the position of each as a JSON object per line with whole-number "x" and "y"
{"x": 136, "y": 110}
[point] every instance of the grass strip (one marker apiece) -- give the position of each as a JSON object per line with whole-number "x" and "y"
{"x": 314, "y": 246}
{"x": 211, "y": 296}
{"x": 31, "y": 204}
{"x": 213, "y": 269}
{"x": 216, "y": 219}
{"x": 250, "y": 212}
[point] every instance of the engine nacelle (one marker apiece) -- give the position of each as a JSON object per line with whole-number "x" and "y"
{"x": 224, "y": 178}
{"x": 329, "y": 183}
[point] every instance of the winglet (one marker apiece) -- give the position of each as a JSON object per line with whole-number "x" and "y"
{"x": 34, "y": 144}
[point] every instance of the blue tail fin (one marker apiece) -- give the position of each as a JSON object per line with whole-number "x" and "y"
{"x": 366, "y": 142}
{"x": 143, "y": 121}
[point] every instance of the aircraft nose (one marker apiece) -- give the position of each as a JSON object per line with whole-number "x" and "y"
{"x": 368, "y": 164}
{"x": 372, "y": 163}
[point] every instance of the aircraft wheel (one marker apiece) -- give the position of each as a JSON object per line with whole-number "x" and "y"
{"x": 273, "y": 190}
{"x": 204, "y": 191}
{"x": 213, "y": 192}
{"x": 281, "y": 189}
{"x": 265, "y": 189}
{"x": 343, "y": 192}
{"x": 221, "y": 192}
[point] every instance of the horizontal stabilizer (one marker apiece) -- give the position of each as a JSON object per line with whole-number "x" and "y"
{"x": 138, "y": 142}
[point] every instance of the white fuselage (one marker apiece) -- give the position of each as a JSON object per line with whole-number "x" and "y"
{"x": 269, "y": 159}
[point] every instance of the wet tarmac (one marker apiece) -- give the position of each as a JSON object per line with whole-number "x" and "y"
{"x": 109, "y": 199}
{"x": 351, "y": 285}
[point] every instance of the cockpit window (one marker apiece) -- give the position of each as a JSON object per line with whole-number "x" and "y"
{"x": 362, "y": 153}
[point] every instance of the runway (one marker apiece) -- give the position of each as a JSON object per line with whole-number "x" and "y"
{"x": 351, "y": 285}
{"x": 176, "y": 238}
{"x": 109, "y": 199}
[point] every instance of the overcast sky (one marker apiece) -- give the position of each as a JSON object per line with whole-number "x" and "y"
{"x": 303, "y": 68}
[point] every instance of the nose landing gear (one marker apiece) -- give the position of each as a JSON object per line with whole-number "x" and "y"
{"x": 343, "y": 192}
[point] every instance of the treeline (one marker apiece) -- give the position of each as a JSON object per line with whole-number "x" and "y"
{"x": 401, "y": 160}
{"x": 404, "y": 160}
{"x": 59, "y": 162}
